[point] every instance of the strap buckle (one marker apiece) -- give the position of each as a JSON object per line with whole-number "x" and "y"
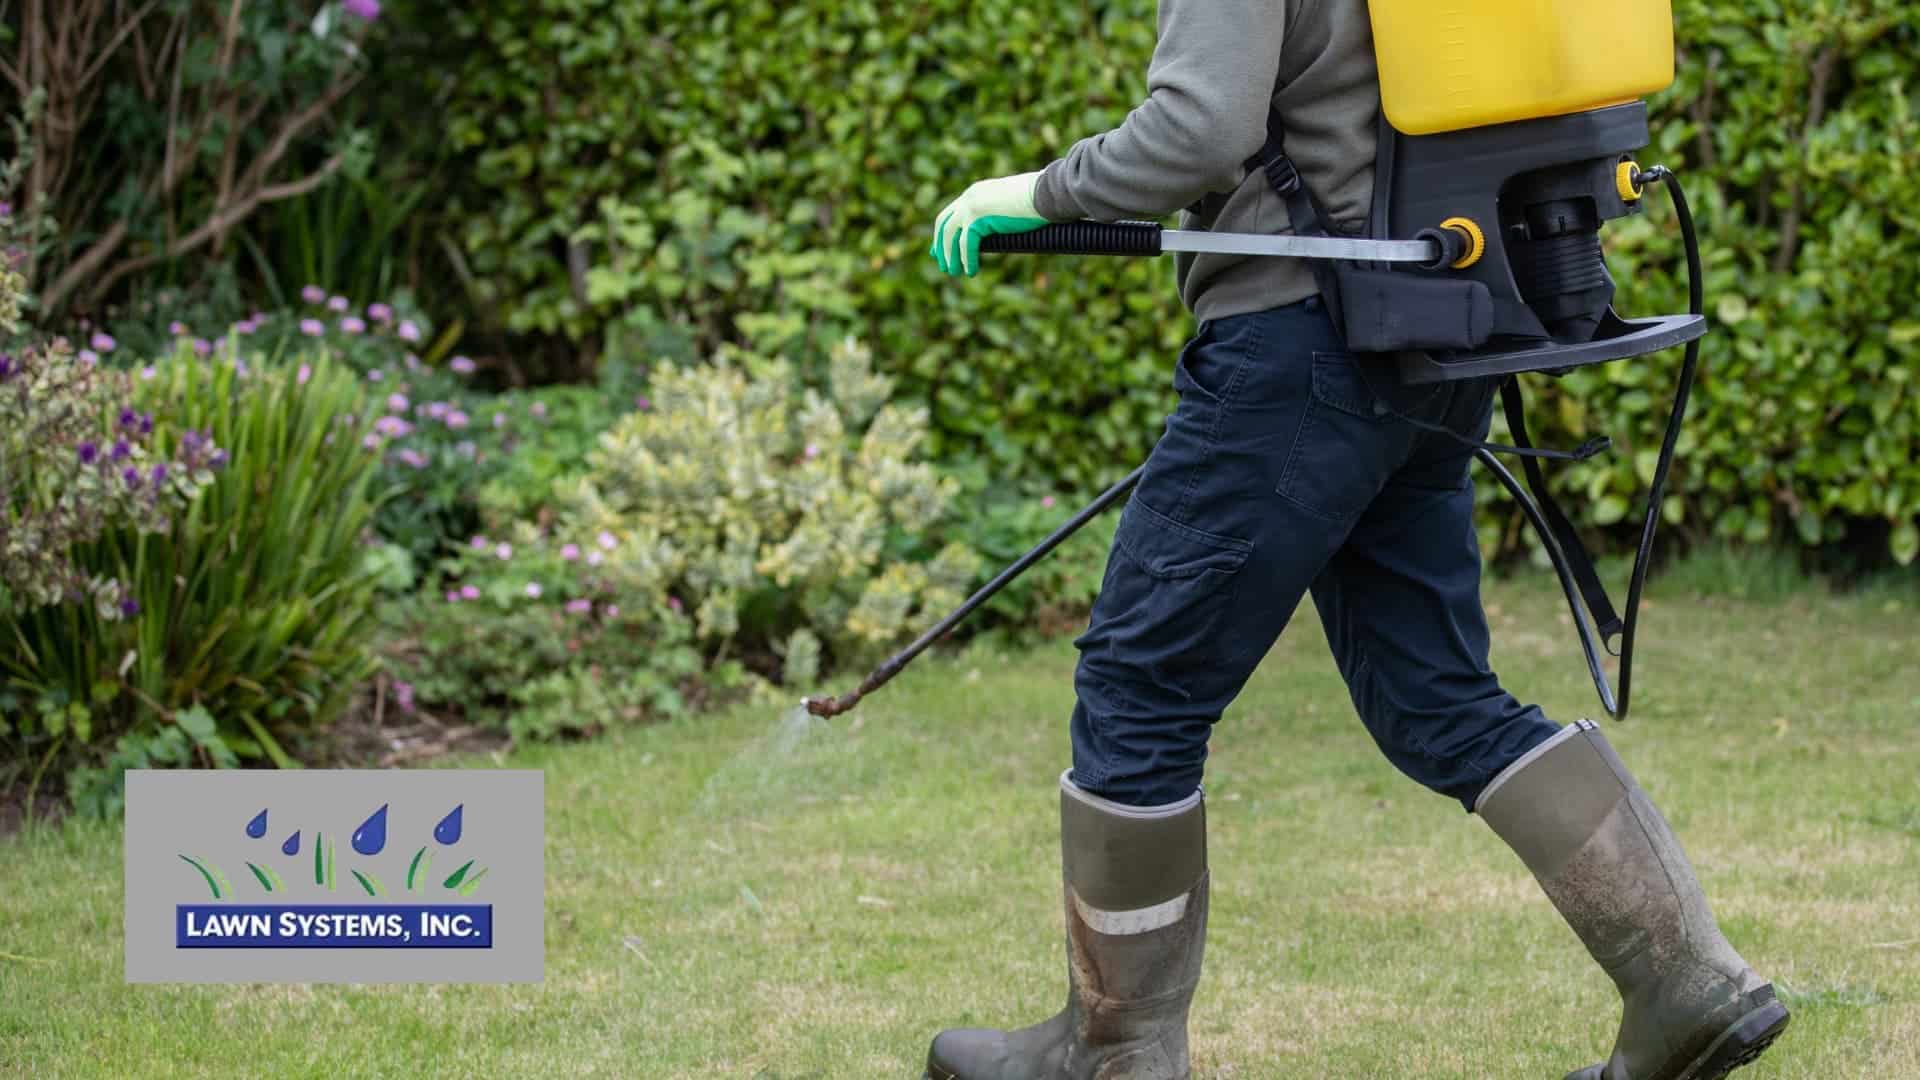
{"x": 1281, "y": 174}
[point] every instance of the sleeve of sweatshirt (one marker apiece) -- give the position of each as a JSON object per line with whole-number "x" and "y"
{"x": 1209, "y": 87}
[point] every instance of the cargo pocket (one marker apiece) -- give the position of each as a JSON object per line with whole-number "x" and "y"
{"x": 1162, "y": 613}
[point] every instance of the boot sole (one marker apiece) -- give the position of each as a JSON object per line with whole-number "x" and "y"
{"x": 1741, "y": 1044}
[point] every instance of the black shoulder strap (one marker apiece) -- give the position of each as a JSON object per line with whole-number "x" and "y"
{"x": 1303, "y": 210}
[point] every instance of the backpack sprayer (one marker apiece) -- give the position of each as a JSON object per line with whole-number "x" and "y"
{"x": 1496, "y": 167}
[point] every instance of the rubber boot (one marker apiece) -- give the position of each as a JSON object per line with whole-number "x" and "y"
{"x": 1694, "y": 1010}
{"x": 1136, "y": 907}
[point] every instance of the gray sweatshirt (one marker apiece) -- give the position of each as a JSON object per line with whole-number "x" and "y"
{"x": 1214, "y": 73}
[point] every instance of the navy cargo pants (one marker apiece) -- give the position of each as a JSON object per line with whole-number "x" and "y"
{"x": 1284, "y": 470}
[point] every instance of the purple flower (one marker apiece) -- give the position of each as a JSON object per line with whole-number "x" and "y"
{"x": 465, "y": 448}
{"x": 88, "y": 452}
{"x": 393, "y": 427}
{"x": 397, "y": 402}
{"x": 479, "y": 543}
{"x": 313, "y": 294}
{"x": 6, "y": 366}
{"x": 177, "y": 328}
{"x": 464, "y": 365}
{"x": 202, "y": 347}
{"x": 367, "y": 10}
{"x": 305, "y": 373}
{"x": 533, "y": 589}
{"x": 403, "y": 694}
{"x": 607, "y": 540}
{"x": 146, "y": 423}
{"x": 380, "y": 313}
{"x": 453, "y": 596}
{"x": 129, "y": 607}
{"x": 338, "y": 305}
{"x": 129, "y": 418}
{"x": 219, "y": 459}
{"x": 159, "y": 475}
{"x": 408, "y": 332}
{"x": 149, "y": 372}
{"x": 613, "y": 611}
{"x": 413, "y": 362}
{"x": 579, "y": 607}
{"x": 312, "y": 327}
{"x": 1046, "y": 502}
{"x": 376, "y": 375}
{"x": 131, "y": 477}
{"x": 245, "y": 327}
{"x": 370, "y": 441}
{"x": 499, "y": 420}
{"x": 674, "y": 603}
{"x": 103, "y": 342}
{"x": 812, "y": 451}
{"x": 643, "y": 403}
{"x": 6, "y": 208}
{"x": 469, "y": 592}
{"x": 570, "y": 553}
{"x": 438, "y": 410}
{"x": 594, "y": 558}
{"x": 457, "y": 420}
{"x": 503, "y": 551}
{"x": 88, "y": 357}
{"x": 353, "y": 324}
{"x": 413, "y": 458}
{"x": 120, "y": 451}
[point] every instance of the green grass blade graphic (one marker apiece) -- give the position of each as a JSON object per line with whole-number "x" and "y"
{"x": 364, "y": 883}
{"x": 416, "y": 866}
{"x": 473, "y": 883}
{"x": 211, "y": 884}
{"x": 453, "y": 880}
{"x": 265, "y": 883}
{"x": 319, "y": 865}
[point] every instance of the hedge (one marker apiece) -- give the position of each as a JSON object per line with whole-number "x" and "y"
{"x": 698, "y": 169}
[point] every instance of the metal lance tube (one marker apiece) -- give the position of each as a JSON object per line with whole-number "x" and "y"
{"x": 886, "y": 671}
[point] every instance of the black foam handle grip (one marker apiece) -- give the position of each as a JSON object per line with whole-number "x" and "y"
{"x": 1079, "y": 238}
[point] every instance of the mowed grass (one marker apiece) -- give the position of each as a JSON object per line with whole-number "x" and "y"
{"x": 733, "y": 897}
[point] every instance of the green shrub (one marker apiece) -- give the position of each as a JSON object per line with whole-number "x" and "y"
{"x": 255, "y": 605}
{"x": 773, "y": 169}
{"x": 743, "y": 526}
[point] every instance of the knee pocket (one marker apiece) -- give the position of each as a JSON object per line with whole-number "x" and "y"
{"x": 1161, "y": 614}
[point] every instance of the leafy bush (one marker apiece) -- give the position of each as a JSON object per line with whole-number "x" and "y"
{"x": 742, "y": 526}
{"x": 255, "y": 606}
{"x": 774, "y": 168}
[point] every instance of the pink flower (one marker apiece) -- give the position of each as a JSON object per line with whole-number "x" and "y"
{"x": 305, "y": 373}
{"x": 102, "y": 342}
{"x": 380, "y": 313}
{"x": 177, "y": 328}
{"x": 594, "y": 558}
{"x": 470, "y": 592}
{"x": 457, "y": 420}
{"x": 438, "y": 410}
{"x": 642, "y": 403}
{"x": 408, "y": 332}
{"x": 613, "y": 611}
{"x": 338, "y": 305}
{"x": 376, "y": 375}
{"x": 149, "y": 372}
{"x": 1046, "y": 503}
{"x": 413, "y": 458}
{"x": 570, "y": 553}
{"x": 499, "y": 420}
{"x": 607, "y": 540}
{"x": 538, "y": 409}
{"x": 453, "y": 596}
{"x": 397, "y": 402}
{"x": 479, "y": 543}
{"x": 579, "y": 607}
{"x": 393, "y": 427}
{"x": 371, "y": 442}
{"x": 533, "y": 589}
{"x": 365, "y": 10}
{"x": 413, "y": 362}
{"x": 812, "y": 451}
{"x": 353, "y": 324}
{"x": 674, "y": 603}
{"x": 463, "y": 365}
{"x": 88, "y": 357}
{"x": 403, "y": 694}
{"x": 312, "y": 327}
{"x": 313, "y": 294}
{"x": 503, "y": 551}
{"x": 202, "y": 347}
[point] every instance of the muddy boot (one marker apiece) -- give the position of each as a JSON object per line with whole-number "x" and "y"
{"x": 1136, "y": 906}
{"x": 1694, "y": 1010}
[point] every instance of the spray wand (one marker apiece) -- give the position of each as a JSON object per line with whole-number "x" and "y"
{"x": 886, "y": 671}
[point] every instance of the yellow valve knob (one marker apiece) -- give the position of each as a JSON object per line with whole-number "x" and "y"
{"x": 1627, "y": 179}
{"x": 1476, "y": 240}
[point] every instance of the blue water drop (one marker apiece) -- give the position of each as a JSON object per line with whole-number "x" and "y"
{"x": 257, "y": 828}
{"x": 371, "y": 836}
{"x": 292, "y": 846}
{"x": 448, "y": 831}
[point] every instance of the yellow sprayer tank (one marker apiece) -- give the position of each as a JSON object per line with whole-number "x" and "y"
{"x": 1452, "y": 64}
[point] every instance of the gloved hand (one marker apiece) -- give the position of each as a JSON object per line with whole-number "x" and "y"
{"x": 1001, "y": 205}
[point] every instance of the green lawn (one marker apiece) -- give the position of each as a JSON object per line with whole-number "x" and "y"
{"x": 728, "y": 897}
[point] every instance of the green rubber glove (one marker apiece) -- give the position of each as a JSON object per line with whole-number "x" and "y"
{"x": 1001, "y": 205}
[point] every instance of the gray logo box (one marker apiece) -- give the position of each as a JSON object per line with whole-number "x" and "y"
{"x": 207, "y": 901}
